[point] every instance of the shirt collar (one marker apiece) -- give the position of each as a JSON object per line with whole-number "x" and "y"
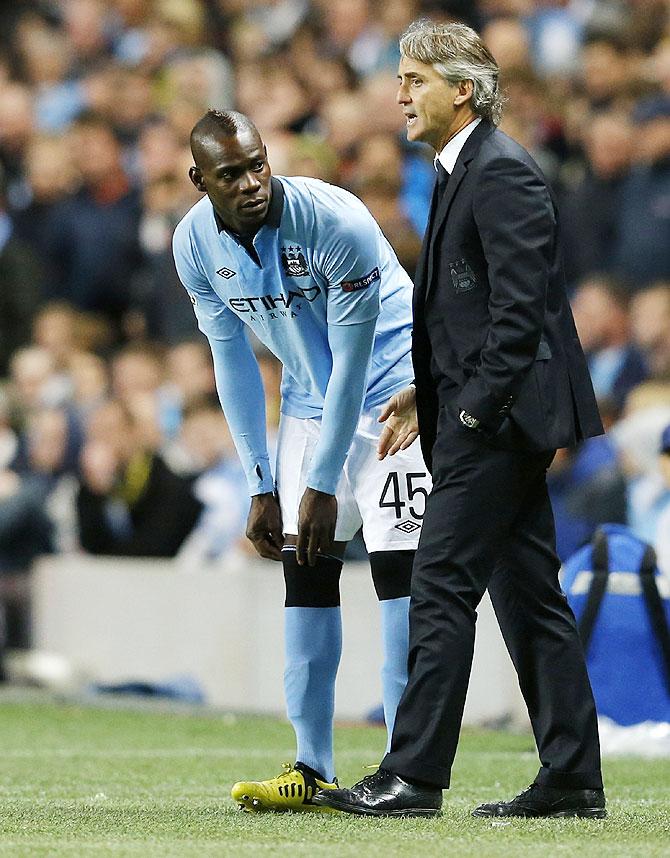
{"x": 449, "y": 155}
{"x": 275, "y": 209}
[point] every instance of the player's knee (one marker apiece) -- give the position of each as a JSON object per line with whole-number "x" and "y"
{"x": 391, "y": 573}
{"x": 315, "y": 586}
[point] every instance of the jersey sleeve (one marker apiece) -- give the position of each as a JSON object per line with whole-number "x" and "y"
{"x": 240, "y": 389}
{"x": 351, "y": 347}
{"x": 215, "y": 320}
{"x": 350, "y": 262}
{"x": 238, "y": 379}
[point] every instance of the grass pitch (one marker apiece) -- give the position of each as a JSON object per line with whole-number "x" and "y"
{"x": 81, "y": 781}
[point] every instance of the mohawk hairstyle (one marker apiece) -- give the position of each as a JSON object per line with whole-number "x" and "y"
{"x": 217, "y": 121}
{"x": 226, "y": 120}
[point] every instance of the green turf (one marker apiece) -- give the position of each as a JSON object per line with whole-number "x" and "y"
{"x": 81, "y": 781}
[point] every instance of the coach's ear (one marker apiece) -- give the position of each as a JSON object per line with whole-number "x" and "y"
{"x": 196, "y": 177}
{"x": 464, "y": 93}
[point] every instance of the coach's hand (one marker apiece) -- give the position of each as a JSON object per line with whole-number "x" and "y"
{"x": 264, "y": 526}
{"x": 402, "y": 426}
{"x": 317, "y": 517}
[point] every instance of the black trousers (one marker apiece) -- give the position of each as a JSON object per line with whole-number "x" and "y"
{"x": 489, "y": 524}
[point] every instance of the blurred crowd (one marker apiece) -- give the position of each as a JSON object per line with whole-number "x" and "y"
{"x": 111, "y": 438}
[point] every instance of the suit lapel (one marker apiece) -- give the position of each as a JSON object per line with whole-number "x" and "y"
{"x": 467, "y": 153}
{"x": 420, "y": 280}
{"x": 440, "y": 216}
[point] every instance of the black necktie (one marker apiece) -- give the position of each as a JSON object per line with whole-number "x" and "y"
{"x": 440, "y": 185}
{"x": 442, "y": 177}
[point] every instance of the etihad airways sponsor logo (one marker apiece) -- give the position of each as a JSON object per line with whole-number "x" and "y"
{"x": 281, "y": 302}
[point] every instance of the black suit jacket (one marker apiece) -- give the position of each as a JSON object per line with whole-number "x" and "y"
{"x": 493, "y": 330}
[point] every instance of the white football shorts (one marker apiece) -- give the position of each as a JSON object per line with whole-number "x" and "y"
{"x": 387, "y": 498}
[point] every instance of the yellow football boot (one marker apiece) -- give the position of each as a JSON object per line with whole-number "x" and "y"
{"x": 292, "y": 790}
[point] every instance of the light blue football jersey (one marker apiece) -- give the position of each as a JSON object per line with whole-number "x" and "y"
{"x": 320, "y": 259}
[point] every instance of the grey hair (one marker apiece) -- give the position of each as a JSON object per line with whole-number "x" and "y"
{"x": 457, "y": 53}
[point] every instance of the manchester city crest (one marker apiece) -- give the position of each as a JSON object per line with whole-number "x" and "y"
{"x": 462, "y": 276}
{"x": 293, "y": 261}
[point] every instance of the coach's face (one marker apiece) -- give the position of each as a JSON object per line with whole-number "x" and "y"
{"x": 432, "y": 106}
{"x": 234, "y": 173}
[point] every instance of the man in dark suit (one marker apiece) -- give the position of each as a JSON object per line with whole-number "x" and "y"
{"x": 501, "y": 382}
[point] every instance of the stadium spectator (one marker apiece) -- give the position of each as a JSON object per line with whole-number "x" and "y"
{"x": 606, "y": 68}
{"x": 191, "y": 374}
{"x": 662, "y": 541}
{"x": 641, "y": 253}
{"x": 90, "y": 383}
{"x": 36, "y": 514}
{"x": 591, "y": 208}
{"x": 49, "y": 176}
{"x": 378, "y": 181}
{"x": 17, "y": 127}
{"x": 650, "y": 325}
{"x": 55, "y": 330}
{"x": 220, "y": 485}
{"x": 21, "y": 277}
{"x": 35, "y": 383}
{"x": 587, "y": 487}
{"x": 93, "y": 249}
{"x": 649, "y": 502}
{"x": 600, "y": 307}
{"x": 129, "y": 502}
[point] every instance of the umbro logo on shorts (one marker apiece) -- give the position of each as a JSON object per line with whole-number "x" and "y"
{"x": 226, "y": 272}
{"x": 407, "y": 526}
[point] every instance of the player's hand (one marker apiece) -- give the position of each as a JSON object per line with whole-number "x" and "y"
{"x": 264, "y": 526}
{"x": 317, "y": 517}
{"x": 402, "y": 425}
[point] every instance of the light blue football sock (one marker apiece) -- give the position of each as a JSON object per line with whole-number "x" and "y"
{"x": 395, "y": 643}
{"x": 313, "y": 644}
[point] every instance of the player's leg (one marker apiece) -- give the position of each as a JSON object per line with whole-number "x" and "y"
{"x": 313, "y": 634}
{"x": 391, "y": 497}
{"x": 313, "y": 645}
{"x": 391, "y": 574}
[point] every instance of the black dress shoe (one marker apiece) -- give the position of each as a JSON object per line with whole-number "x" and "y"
{"x": 383, "y": 794}
{"x": 540, "y": 800}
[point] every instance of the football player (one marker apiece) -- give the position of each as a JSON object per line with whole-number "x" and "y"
{"x": 305, "y": 266}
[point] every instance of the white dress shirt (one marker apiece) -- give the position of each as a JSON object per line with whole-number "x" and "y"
{"x": 452, "y": 149}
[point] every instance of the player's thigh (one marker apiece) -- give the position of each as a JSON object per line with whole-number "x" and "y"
{"x": 296, "y": 445}
{"x": 391, "y": 494}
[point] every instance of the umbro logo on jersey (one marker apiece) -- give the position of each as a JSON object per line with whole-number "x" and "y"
{"x": 226, "y": 273}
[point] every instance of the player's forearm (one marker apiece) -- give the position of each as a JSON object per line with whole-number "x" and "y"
{"x": 351, "y": 346}
{"x": 240, "y": 389}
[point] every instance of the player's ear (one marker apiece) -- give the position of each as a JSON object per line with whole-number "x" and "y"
{"x": 196, "y": 177}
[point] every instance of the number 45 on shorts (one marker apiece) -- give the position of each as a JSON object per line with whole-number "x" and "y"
{"x": 401, "y": 491}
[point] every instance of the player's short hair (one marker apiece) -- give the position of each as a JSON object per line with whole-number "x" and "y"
{"x": 226, "y": 122}
{"x": 216, "y": 123}
{"x": 457, "y": 53}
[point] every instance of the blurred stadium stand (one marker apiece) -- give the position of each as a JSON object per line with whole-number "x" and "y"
{"x": 97, "y": 99}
